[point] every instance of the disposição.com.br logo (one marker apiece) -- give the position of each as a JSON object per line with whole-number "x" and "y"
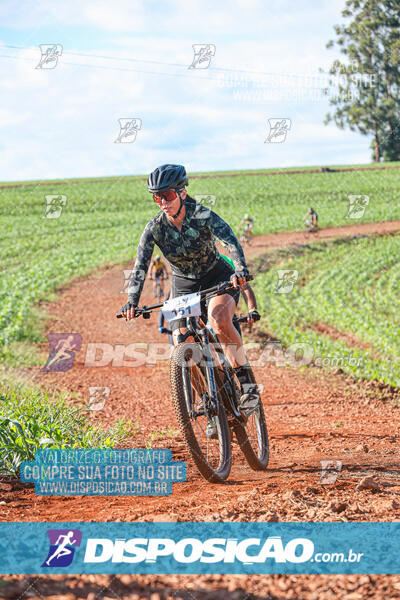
{"x": 245, "y": 551}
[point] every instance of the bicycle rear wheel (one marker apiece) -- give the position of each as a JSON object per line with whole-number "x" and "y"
{"x": 249, "y": 237}
{"x": 206, "y": 435}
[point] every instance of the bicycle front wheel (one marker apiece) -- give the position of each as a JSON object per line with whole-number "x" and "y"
{"x": 205, "y": 431}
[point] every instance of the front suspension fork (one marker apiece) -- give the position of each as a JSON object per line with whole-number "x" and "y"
{"x": 209, "y": 371}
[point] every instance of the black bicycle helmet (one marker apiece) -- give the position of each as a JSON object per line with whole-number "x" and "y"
{"x": 167, "y": 177}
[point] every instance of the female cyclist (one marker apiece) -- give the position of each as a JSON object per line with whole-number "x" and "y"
{"x": 184, "y": 232}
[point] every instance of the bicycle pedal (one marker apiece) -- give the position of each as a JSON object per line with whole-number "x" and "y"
{"x": 250, "y": 400}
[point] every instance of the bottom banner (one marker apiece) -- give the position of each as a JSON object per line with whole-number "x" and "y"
{"x": 191, "y": 548}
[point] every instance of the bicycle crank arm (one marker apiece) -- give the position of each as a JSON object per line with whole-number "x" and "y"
{"x": 230, "y": 394}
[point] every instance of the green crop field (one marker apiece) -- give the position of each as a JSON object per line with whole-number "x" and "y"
{"x": 101, "y": 223}
{"x": 343, "y": 305}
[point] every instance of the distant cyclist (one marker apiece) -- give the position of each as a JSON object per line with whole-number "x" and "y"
{"x": 186, "y": 236}
{"x": 247, "y": 224}
{"x": 311, "y": 220}
{"x": 158, "y": 272}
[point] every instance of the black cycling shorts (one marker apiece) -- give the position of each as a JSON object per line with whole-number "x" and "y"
{"x": 183, "y": 285}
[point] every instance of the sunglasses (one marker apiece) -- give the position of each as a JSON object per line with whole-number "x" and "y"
{"x": 167, "y": 196}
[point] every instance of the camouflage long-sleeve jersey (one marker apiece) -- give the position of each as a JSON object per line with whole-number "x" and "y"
{"x": 191, "y": 252}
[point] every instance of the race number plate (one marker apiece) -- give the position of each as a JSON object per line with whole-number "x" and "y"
{"x": 182, "y": 307}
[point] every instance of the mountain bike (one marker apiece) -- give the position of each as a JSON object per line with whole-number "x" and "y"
{"x": 311, "y": 227}
{"x": 206, "y": 393}
{"x": 246, "y": 237}
{"x": 158, "y": 286}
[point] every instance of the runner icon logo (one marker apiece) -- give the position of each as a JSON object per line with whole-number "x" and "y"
{"x": 62, "y": 351}
{"x": 131, "y": 286}
{"x": 202, "y": 211}
{"x": 61, "y": 551}
{"x": 286, "y": 280}
{"x": 278, "y": 129}
{"x": 203, "y": 54}
{"x": 128, "y": 129}
{"x": 330, "y": 470}
{"x": 127, "y": 277}
{"x": 357, "y": 206}
{"x": 50, "y": 53}
{"x": 97, "y": 397}
{"x": 54, "y": 206}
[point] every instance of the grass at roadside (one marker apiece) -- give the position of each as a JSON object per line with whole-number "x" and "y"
{"x": 160, "y": 434}
{"x": 31, "y": 419}
{"x": 271, "y": 170}
{"x": 101, "y": 222}
{"x": 343, "y": 308}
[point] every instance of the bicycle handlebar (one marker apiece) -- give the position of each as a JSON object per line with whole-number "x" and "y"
{"x": 216, "y": 289}
{"x": 235, "y": 318}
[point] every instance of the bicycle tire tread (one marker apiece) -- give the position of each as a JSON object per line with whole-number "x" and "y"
{"x": 178, "y": 398}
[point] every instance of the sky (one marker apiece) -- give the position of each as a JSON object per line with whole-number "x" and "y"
{"x": 130, "y": 60}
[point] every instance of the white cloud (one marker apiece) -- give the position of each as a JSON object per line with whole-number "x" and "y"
{"x": 245, "y": 19}
{"x": 63, "y": 122}
{"x": 128, "y": 15}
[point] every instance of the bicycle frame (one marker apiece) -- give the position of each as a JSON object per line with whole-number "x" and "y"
{"x": 205, "y": 335}
{"x": 202, "y": 335}
{"x": 206, "y": 393}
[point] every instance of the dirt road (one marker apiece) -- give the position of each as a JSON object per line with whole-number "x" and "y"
{"x": 313, "y": 416}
